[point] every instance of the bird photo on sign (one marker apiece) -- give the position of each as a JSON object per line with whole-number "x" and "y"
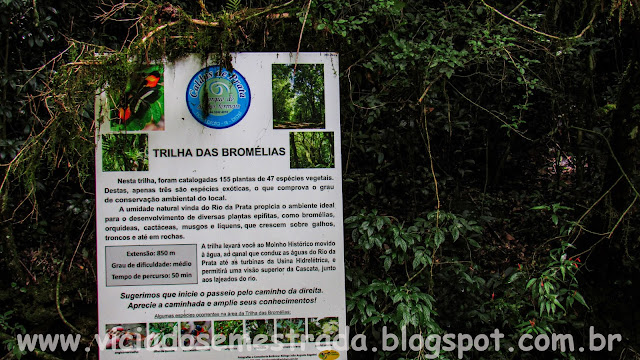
{"x": 141, "y": 105}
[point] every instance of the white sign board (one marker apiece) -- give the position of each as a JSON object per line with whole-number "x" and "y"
{"x": 219, "y": 211}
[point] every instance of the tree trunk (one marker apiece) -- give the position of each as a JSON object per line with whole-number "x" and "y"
{"x": 294, "y": 152}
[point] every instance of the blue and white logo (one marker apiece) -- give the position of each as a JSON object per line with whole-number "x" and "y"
{"x": 218, "y": 98}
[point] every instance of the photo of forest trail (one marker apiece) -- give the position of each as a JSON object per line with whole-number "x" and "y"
{"x": 298, "y": 96}
{"x": 311, "y": 150}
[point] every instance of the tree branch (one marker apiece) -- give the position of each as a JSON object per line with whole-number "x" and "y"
{"x": 540, "y": 32}
{"x": 613, "y": 155}
{"x": 64, "y": 320}
{"x": 300, "y": 39}
{"x": 217, "y": 23}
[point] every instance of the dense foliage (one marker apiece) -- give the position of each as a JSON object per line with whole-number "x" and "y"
{"x": 311, "y": 150}
{"x": 490, "y": 155}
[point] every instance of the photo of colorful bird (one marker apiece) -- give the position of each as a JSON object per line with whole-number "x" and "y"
{"x": 141, "y": 106}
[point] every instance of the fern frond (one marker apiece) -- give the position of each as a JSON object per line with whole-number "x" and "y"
{"x": 232, "y": 5}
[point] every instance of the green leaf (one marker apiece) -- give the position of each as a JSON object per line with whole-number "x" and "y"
{"x": 399, "y": 5}
{"x": 580, "y": 299}
{"x": 540, "y": 207}
{"x": 350, "y": 219}
{"x": 370, "y": 309}
{"x": 514, "y": 277}
{"x": 467, "y": 278}
{"x": 554, "y": 218}
{"x": 402, "y": 244}
{"x": 547, "y": 287}
{"x": 370, "y": 189}
{"x": 350, "y": 306}
{"x": 455, "y": 233}
{"x": 379, "y": 223}
{"x": 474, "y": 243}
{"x": 439, "y": 237}
{"x": 556, "y": 302}
{"x": 416, "y": 261}
{"x": 396, "y": 297}
{"x": 531, "y": 282}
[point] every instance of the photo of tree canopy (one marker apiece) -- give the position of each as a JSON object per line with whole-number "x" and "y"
{"x": 125, "y": 152}
{"x": 311, "y": 149}
{"x": 298, "y": 96}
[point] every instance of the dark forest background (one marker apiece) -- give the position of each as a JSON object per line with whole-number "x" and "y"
{"x": 490, "y": 157}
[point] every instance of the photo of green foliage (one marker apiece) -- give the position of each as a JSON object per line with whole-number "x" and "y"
{"x": 228, "y": 332}
{"x": 292, "y": 330}
{"x": 140, "y": 106}
{"x": 262, "y": 328}
{"x": 311, "y": 150}
{"x": 162, "y": 334}
{"x": 125, "y": 152}
{"x": 323, "y": 329}
{"x": 298, "y": 96}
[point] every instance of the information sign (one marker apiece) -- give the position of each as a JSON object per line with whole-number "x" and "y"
{"x": 219, "y": 211}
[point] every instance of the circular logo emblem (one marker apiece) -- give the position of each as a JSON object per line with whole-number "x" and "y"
{"x": 218, "y": 98}
{"x": 329, "y": 355}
